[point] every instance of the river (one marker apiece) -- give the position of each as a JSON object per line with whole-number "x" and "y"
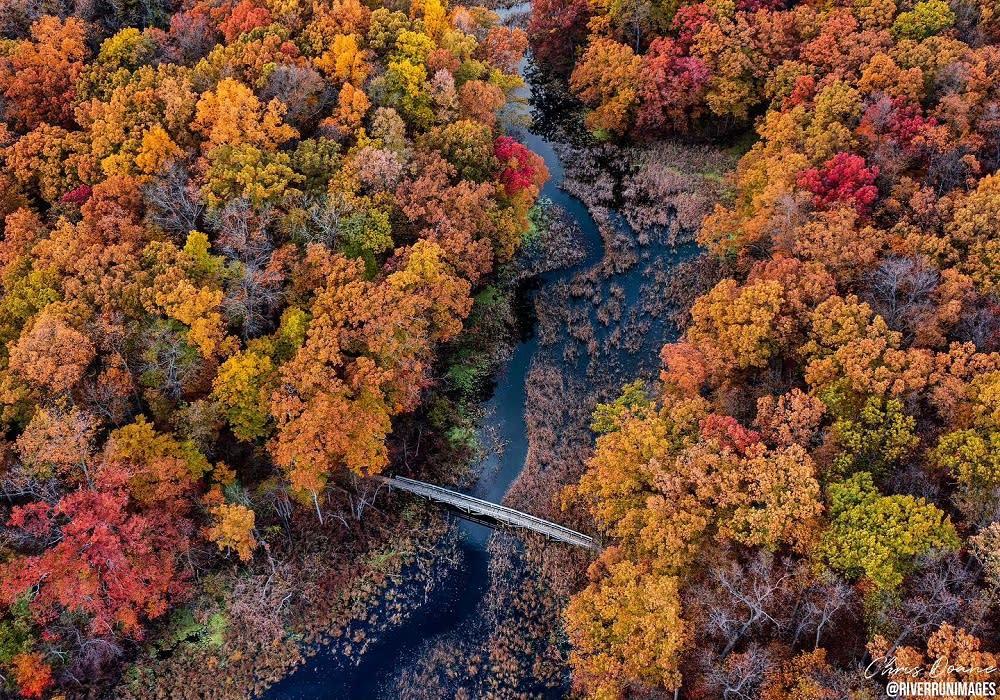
{"x": 454, "y": 601}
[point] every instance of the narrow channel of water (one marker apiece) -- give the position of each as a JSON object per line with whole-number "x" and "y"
{"x": 325, "y": 676}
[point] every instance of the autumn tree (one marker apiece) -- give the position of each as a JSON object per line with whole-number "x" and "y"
{"x": 842, "y": 179}
{"x": 734, "y": 327}
{"x": 878, "y": 438}
{"x": 53, "y": 356}
{"x": 114, "y": 568}
{"x": 878, "y": 536}
{"x": 964, "y": 659}
{"x": 241, "y": 388}
{"x": 40, "y": 74}
{"x": 231, "y": 115}
{"x": 671, "y": 89}
{"x": 32, "y": 674}
{"x": 626, "y": 629}
{"x": 234, "y": 529}
{"x": 360, "y": 365}
{"x": 606, "y": 79}
{"x": 556, "y": 29}
{"x": 244, "y": 17}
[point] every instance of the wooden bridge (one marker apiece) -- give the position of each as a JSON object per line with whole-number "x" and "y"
{"x": 490, "y": 511}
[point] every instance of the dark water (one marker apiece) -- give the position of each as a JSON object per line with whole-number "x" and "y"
{"x": 455, "y": 601}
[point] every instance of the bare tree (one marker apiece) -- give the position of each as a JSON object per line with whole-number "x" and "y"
{"x": 985, "y": 547}
{"x": 302, "y": 89}
{"x": 740, "y": 598}
{"x": 173, "y": 203}
{"x": 820, "y": 607}
{"x": 359, "y": 495}
{"x": 253, "y": 291}
{"x": 326, "y": 214}
{"x": 740, "y": 676}
{"x": 943, "y": 590}
{"x": 117, "y": 14}
{"x": 900, "y": 291}
{"x": 17, "y": 16}
{"x": 88, "y": 657}
{"x": 169, "y": 363}
{"x": 257, "y": 603}
{"x": 980, "y": 326}
{"x": 192, "y": 35}
{"x": 988, "y": 125}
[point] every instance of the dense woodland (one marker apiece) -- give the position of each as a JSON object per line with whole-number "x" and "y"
{"x": 234, "y": 236}
{"x": 814, "y": 482}
{"x": 237, "y": 238}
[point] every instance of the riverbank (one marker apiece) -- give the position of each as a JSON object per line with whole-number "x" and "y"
{"x": 457, "y": 569}
{"x": 597, "y": 329}
{"x": 252, "y": 626}
{"x": 605, "y": 326}
{"x": 558, "y": 240}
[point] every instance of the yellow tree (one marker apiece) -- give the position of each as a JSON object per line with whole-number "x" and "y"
{"x": 231, "y": 115}
{"x": 242, "y": 388}
{"x": 606, "y": 78}
{"x": 233, "y": 528}
{"x": 626, "y": 630}
{"x": 345, "y": 61}
{"x": 973, "y": 235}
{"x": 735, "y": 328}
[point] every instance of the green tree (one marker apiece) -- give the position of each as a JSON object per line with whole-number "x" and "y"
{"x": 924, "y": 20}
{"x": 607, "y": 416}
{"x": 972, "y": 458}
{"x": 407, "y": 91}
{"x": 879, "y": 537}
{"x": 879, "y": 437}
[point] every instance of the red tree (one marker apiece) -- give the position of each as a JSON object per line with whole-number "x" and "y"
{"x": 728, "y": 432}
{"x": 671, "y": 88}
{"x": 843, "y": 178}
{"x": 520, "y": 166}
{"x": 688, "y": 21}
{"x": 556, "y": 29}
{"x": 244, "y": 18}
{"x": 113, "y": 566}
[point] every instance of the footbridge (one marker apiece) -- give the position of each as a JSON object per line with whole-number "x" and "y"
{"x": 491, "y": 511}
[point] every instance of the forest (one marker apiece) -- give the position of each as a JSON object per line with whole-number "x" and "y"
{"x": 813, "y": 482}
{"x": 234, "y": 236}
{"x": 254, "y": 254}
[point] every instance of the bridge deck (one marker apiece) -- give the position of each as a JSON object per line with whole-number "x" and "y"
{"x": 503, "y": 514}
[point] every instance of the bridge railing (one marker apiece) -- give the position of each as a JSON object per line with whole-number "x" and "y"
{"x": 498, "y": 512}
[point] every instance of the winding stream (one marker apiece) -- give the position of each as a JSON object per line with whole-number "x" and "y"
{"x": 453, "y": 602}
